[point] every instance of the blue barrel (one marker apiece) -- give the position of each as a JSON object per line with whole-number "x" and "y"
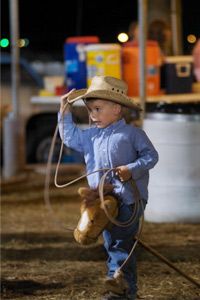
{"x": 75, "y": 61}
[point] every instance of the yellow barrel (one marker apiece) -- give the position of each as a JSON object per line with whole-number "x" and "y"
{"x": 103, "y": 59}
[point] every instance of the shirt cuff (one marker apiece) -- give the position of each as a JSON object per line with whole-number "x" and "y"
{"x": 67, "y": 118}
{"x": 135, "y": 170}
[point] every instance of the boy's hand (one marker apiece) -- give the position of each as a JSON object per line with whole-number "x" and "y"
{"x": 63, "y": 101}
{"x": 124, "y": 173}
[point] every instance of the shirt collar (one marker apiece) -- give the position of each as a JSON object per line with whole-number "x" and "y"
{"x": 114, "y": 126}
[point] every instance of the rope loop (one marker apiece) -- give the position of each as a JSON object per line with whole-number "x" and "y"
{"x": 132, "y": 219}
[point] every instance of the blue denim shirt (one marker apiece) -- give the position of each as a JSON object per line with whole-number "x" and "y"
{"x": 116, "y": 145}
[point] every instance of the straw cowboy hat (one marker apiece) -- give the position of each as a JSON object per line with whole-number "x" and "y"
{"x": 105, "y": 87}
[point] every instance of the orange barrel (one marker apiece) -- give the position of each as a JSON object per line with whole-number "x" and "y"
{"x": 75, "y": 60}
{"x": 130, "y": 67}
{"x": 103, "y": 59}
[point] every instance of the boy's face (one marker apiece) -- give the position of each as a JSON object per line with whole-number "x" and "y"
{"x": 103, "y": 112}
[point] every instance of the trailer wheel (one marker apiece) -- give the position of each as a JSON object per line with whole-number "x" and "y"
{"x": 38, "y": 147}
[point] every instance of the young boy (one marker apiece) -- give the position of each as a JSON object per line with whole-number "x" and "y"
{"x": 112, "y": 143}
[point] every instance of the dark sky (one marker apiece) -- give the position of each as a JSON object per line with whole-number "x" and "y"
{"x": 48, "y": 23}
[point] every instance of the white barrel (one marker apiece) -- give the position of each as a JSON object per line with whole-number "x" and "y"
{"x": 174, "y": 187}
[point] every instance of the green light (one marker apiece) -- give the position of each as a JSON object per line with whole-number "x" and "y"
{"x": 4, "y": 43}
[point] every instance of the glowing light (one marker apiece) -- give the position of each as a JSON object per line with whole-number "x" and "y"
{"x": 21, "y": 43}
{"x": 122, "y": 37}
{"x": 4, "y": 43}
{"x": 191, "y": 38}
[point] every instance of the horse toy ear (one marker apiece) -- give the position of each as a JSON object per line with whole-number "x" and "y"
{"x": 88, "y": 197}
{"x": 93, "y": 218}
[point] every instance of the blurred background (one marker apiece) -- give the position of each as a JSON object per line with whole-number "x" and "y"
{"x": 50, "y": 47}
{"x": 47, "y": 26}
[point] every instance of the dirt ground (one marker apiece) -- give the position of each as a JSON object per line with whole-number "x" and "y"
{"x": 41, "y": 260}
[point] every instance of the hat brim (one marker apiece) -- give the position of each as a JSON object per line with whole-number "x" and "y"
{"x": 103, "y": 94}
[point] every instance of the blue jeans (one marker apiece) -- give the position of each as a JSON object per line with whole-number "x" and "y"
{"x": 118, "y": 242}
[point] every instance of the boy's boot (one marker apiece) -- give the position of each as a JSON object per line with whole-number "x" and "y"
{"x": 117, "y": 288}
{"x": 116, "y": 296}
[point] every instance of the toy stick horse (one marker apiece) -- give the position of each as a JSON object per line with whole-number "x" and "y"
{"x": 93, "y": 218}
